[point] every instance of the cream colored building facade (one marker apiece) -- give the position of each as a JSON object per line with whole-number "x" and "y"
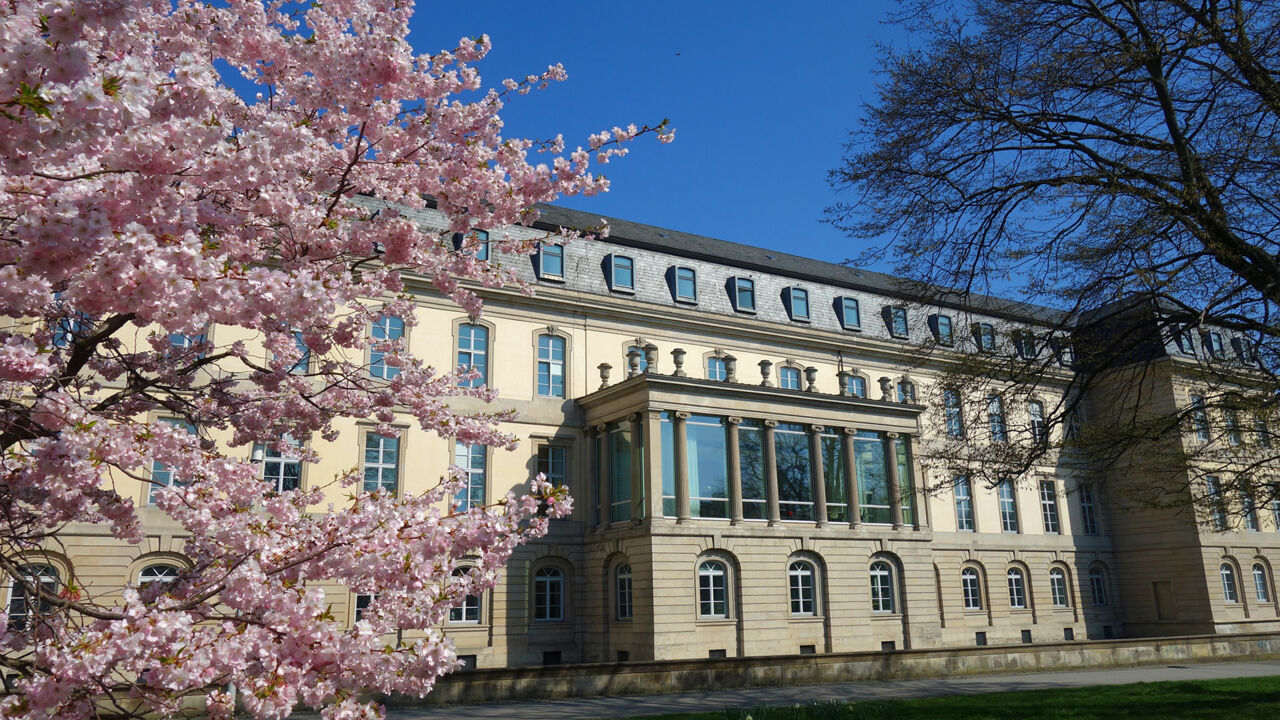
{"x": 744, "y": 433}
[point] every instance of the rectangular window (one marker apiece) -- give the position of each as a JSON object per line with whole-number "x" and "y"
{"x": 789, "y": 378}
{"x": 898, "y": 322}
{"x": 624, "y": 606}
{"x": 713, "y": 591}
{"x": 1088, "y": 512}
{"x": 304, "y": 355}
{"x": 475, "y": 242}
{"x": 946, "y": 333}
{"x": 985, "y": 335}
{"x": 550, "y": 366}
{"x": 708, "y": 469}
{"x": 799, "y": 303}
{"x": 833, "y": 476}
{"x": 716, "y": 369}
{"x": 795, "y": 488}
{"x": 550, "y": 262}
{"x": 751, "y": 469}
{"x": 162, "y": 474}
{"x": 850, "y": 315}
{"x": 473, "y": 354}
{"x": 1250, "y": 510}
{"x": 624, "y": 276}
{"x": 871, "y": 466}
{"x": 953, "y": 413}
{"x": 620, "y": 445}
{"x": 995, "y": 419}
{"x": 1261, "y": 434}
{"x": 1217, "y": 503}
{"x": 1200, "y": 418}
{"x": 666, "y": 438}
{"x": 1275, "y": 507}
{"x": 1008, "y": 506}
{"x": 744, "y": 295}
{"x": 387, "y": 329}
{"x": 964, "y": 504}
{"x": 1231, "y": 418}
{"x": 381, "y": 463}
{"x": 857, "y": 386}
{"x": 281, "y": 471}
{"x": 1182, "y": 337}
{"x": 1216, "y": 349}
{"x": 686, "y": 284}
{"x": 1049, "y": 507}
{"x": 553, "y": 463}
{"x": 470, "y": 459}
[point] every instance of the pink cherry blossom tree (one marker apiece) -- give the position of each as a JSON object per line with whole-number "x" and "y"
{"x": 143, "y": 201}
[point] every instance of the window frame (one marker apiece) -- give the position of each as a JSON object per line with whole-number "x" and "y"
{"x": 549, "y": 250}
{"x": 1217, "y": 503}
{"x": 881, "y": 580}
{"x": 997, "y": 423}
{"x": 984, "y": 337}
{"x": 894, "y": 314}
{"x": 1088, "y": 511}
{"x": 966, "y": 518}
{"x": 708, "y": 570}
{"x": 47, "y": 576}
{"x": 276, "y": 457}
{"x": 1024, "y": 343}
{"x": 623, "y": 592}
{"x": 472, "y": 605}
{"x": 971, "y": 589}
{"x": 378, "y": 366}
{"x": 1049, "y": 515}
{"x": 740, "y": 285}
{"x": 790, "y": 371}
{"x": 1039, "y": 428}
{"x": 718, "y": 374}
{"x": 1230, "y": 587}
{"x": 802, "y": 588}
{"x": 679, "y": 297}
{"x": 1008, "y": 506}
{"x": 1098, "y": 587}
{"x": 473, "y": 351}
{"x": 1261, "y": 583}
{"x": 1214, "y": 344}
{"x": 550, "y": 581}
{"x": 547, "y": 361}
{"x": 1017, "y": 581}
{"x": 158, "y": 467}
{"x": 1059, "y": 588}
{"x": 380, "y": 464}
{"x": 616, "y": 263}
{"x": 947, "y": 337}
{"x": 798, "y": 296}
{"x": 545, "y": 462}
{"x": 842, "y": 306}
{"x": 465, "y": 498}
{"x": 953, "y": 413}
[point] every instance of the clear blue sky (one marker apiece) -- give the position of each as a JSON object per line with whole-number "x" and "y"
{"x": 762, "y": 95}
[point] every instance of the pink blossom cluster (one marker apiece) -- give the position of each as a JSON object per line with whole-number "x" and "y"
{"x": 143, "y": 202}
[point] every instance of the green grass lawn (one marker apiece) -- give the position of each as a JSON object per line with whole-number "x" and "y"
{"x": 1238, "y": 698}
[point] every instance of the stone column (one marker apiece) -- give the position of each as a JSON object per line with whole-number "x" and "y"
{"x": 895, "y": 487}
{"x": 735, "y": 470}
{"x": 851, "y": 477}
{"x": 682, "y": 464}
{"x": 771, "y": 473}
{"x": 603, "y": 479}
{"x": 653, "y": 451}
{"x": 817, "y": 475}
{"x": 637, "y": 466}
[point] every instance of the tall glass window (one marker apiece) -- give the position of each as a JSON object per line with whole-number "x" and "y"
{"x": 162, "y": 474}
{"x": 1231, "y": 418}
{"x": 799, "y": 304}
{"x": 833, "y": 476}
{"x": 946, "y": 333}
{"x": 550, "y": 261}
{"x": 713, "y": 590}
{"x": 716, "y": 369}
{"x": 1008, "y": 506}
{"x": 1098, "y": 586}
{"x": 624, "y": 275}
{"x": 548, "y": 595}
{"x": 881, "y": 587}
{"x": 789, "y": 378}
{"x": 668, "y": 440}
{"x": 624, "y": 608}
{"x": 1017, "y": 589}
{"x": 381, "y": 463}
{"x": 995, "y": 419}
{"x": 686, "y": 284}
{"x": 964, "y": 504}
{"x": 795, "y": 488}
{"x": 708, "y": 466}
{"x": 1229, "y": 591}
{"x": 471, "y": 460}
{"x": 620, "y": 447}
{"x": 1217, "y": 504}
{"x": 873, "y": 480}
{"x": 387, "y": 329}
{"x": 850, "y": 317}
{"x": 803, "y": 590}
{"x": 971, "y": 589}
{"x": 898, "y": 322}
{"x": 751, "y": 470}
{"x": 282, "y": 471}
{"x": 985, "y": 334}
{"x": 905, "y": 484}
{"x": 25, "y": 606}
{"x": 1049, "y": 507}
{"x": 1200, "y": 418}
{"x": 1088, "y": 511}
{"x": 473, "y": 353}
{"x": 553, "y": 463}
{"x": 1216, "y": 348}
{"x": 469, "y": 610}
{"x": 304, "y": 354}
{"x": 953, "y": 413}
{"x": 1058, "y": 588}
{"x": 1260, "y": 589}
{"x": 550, "y": 366}
{"x": 1250, "y": 510}
{"x": 1039, "y": 430}
{"x": 745, "y": 294}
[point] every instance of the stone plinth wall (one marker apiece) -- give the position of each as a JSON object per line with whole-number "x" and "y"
{"x": 564, "y": 681}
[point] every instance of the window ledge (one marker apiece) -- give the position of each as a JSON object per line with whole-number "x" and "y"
{"x": 717, "y": 621}
{"x": 806, "y": 619}
{"x": 744, "y": 311}
{"x": 685, "y": 301}
{"x": 557, "y": 279}
{"x": 852, "y": 328}
{"x": 806, "y": 321}
{"x": 623, "y": 291}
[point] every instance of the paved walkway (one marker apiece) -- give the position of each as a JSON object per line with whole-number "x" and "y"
{"x": 634, "y": 705}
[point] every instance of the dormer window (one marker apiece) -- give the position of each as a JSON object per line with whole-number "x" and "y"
{"x": 1066, "y": 354}
{"x": 985, "y": 335}
{"x": 685, "y": 284}
{"x": 475, "y": 241}
{"x": 1244, "y": 350}
{"x": 943, "y": 330}
{"x": 744, "y": 294}
{"x": 1182, "y": 337}
{"x": 550, "y": 262}
{"x": 622, "y": 274}
{"x": 797, "y": 304}
{"x": 1213, "y": 340}
{"x": 1025, "y": 343}
{"x": 850, "y": 315}
{"x": 897, "y": 322}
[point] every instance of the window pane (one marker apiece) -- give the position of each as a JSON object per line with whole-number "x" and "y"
{"x": 708, "y": 468}
{"x": 851, "y": 316}
{"x": 620, "y": 474}
{"x": 715, "y": 368}
{"x": 795, "y": 497}
{"x": 873, "y": 481}
{"x": 964, "y": 504}
{"x": 789, "y": 378}
{"x": 834, "y": 477}
{"x": 667, "y": 438}
{"x": 386, "y": 329}
{"x": 686, "y": 284}
{"x": 381, "y": 460}
{"x": 551, "y": 260}
{"x": 799, "y": 304}
{"x": 946, "y": 336}
{"x": 623, "y": 273}
{"x": 1008, "y": 507}
{"x": 473, "y": 353}
{"x": 751, "y": 468}
{"x": 550, "y": 366}
{"x": 746, "y": 294}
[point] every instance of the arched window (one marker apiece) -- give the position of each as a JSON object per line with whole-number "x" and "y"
{"x": 1098, "y": 586}
{"x": 473, "y": 353}
{"x": 24, "y": 606}
{"x": 1260, "y": 589}
{"x": 624, "y": 608}
{"x": 550, "y": 366}
{"x": 548, "y": 595}
{"x": 1058, "y": 588}
{"x": 971, "y": 588}
{"x": 882, "y": 600}
{"x": 789, "y": 378}
{"x": 801, "y": 580}
{"x": 1017, "y": 589}
{"x": 158, "y": 573}
{"x": 713, "y": 590}
{"x": 1229, "y": 591}
{"x": 469, "y": 610}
